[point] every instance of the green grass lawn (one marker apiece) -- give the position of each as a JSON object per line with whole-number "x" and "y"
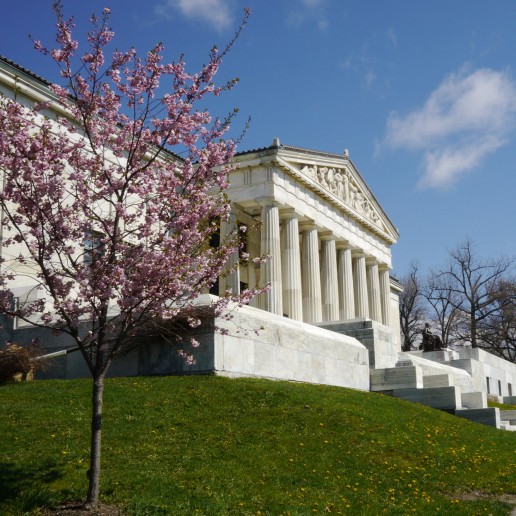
{"x": 209, "y": 445}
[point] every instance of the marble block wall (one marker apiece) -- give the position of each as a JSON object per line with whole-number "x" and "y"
{"x": 252, "y": 343}
{"x": 288, "y": 350}
{"x": 496, "y": 375}
{"x": 380, "y": 340}
{"x": 458, "y": 377}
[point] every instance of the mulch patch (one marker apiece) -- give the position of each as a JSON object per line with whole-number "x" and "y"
{"x": 77, "y": 508}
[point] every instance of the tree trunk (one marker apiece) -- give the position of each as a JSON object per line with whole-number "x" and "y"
{"x": 96, "y": 438}
{"x": 473, "y": 327}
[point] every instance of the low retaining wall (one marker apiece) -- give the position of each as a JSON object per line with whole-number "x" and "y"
{"x": 494, "y": 374}
{"x": 251, "y": 343}
{"x": 380, "y": 340}
{"x": 460, "y": 378}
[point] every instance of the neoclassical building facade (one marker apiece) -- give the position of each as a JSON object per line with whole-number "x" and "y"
{"x": 331, "y": 312}
{"x": 328, "y": 237}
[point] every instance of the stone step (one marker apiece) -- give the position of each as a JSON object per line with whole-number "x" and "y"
{"x": 486, "y": 416}
{"x": 442, "y": 398}
{"x": 437, "y": 380}
{"x": 396, "y": 378}
{"x": 508, "y": 415}
{"x": 506, "y": 425}
{"x": 474, "y": 400}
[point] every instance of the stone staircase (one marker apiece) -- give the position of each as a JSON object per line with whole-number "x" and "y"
{"x": 439, "y": 386}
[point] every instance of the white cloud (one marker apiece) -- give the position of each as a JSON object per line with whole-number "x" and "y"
{"x": 369, "y": 77}
{"x": 323, "y": 24}
{"x": 216, "y": 13}
{"x": 467, "y": 117}
{"x": 392, "y": 37}
{"x": 308, "y": 12}
{"x": 312, "y": 3}
{"x": 445, "y": 166}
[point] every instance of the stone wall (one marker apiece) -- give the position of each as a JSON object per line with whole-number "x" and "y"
{"x": 380, "y": 340}
{"x": 252, "y": 343}
{"x": 494, "y": 374}
{"x": 289, "y": 350}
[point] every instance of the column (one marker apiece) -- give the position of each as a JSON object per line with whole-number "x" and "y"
{"x": 385, "y": 295}
{"x": 251, "y": 282}
{"x": 359, "y": 275}
{"x": 271, "y": 269}
{"x": 329, "y": 285}
{"x": 373, "y": 283}
{"x": 345, "y": 282}
{"x": 229, "y": 281}
{"x": 291, "y": 268}
{"x": 311, "y": 277}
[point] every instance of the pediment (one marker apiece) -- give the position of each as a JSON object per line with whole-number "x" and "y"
{"x": 336, "y": 178}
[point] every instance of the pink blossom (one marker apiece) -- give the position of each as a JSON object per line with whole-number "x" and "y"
{"x": 113, "y": 225}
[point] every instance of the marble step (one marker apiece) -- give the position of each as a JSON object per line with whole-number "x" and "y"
{"x": 508, "y": 415}
{"x": 486, "y": 416}
{"x": 442, "y": 398}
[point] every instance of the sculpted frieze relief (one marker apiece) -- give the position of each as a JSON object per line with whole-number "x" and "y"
{"x": 340, "y": 183}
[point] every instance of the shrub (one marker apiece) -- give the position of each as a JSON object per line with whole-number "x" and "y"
{"x": 17, "y": 362}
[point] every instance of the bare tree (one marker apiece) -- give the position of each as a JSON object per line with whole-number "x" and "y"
{"x": 444, "y": 302}
{"x": 498, "y": 330}
{"x": 470, "y": 287}
{"x": 412, "y": 311}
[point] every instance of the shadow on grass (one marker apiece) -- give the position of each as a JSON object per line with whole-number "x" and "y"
{"x": 25, "y": 489}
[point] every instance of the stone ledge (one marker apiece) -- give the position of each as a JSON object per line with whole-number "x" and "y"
{"x": 396, "y": 378}
{"x": 442, "y": 398}
{"x": 484, "y": 416}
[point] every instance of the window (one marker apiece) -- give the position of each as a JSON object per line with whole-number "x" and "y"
{"x": 93, "y": 246}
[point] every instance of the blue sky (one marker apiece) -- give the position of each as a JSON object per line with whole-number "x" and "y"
{"x": 423, "y": 94}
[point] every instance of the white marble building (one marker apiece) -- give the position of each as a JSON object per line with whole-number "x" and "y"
{"x": 329, "y": 242}
{"x": 331, "y": 315}
{"x": 329, "y": 238}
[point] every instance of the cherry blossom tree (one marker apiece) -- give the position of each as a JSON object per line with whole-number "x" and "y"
{"x": 111, "y": 226}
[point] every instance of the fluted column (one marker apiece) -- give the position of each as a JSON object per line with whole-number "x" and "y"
{"x": 311, "y": 277}
{"x": 385, "y": 296}
{"x": 291, "y": 268}
{"x": 373, "y": 283}
{"x": 271, "y": 269}
{"x": 251, "y": 282}
{"x": 359, "y": 275}
{"x": 345, "y": 283}
{"x": 229, "y": 281}
{"x": 329, "y": 285}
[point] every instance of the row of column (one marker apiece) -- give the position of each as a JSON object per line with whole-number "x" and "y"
{"x": 337, "y": 284}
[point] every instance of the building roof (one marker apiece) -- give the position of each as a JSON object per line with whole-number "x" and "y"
{"x": 24, "y": 70}
{"x": 275, "y": 148}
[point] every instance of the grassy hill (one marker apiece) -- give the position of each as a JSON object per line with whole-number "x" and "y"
{"x": 209, "y": 445}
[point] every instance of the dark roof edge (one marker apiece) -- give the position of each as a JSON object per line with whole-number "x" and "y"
{"x": 26, "y": 71}
{"x": 48, "y": 84}
{"x": 301, "y": 150}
